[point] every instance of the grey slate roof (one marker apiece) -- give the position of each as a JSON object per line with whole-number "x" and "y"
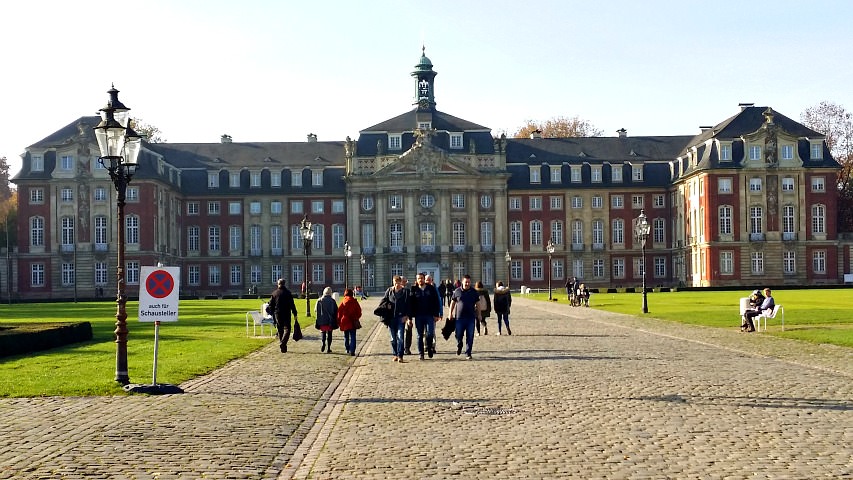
{"x": 407, "y": 122}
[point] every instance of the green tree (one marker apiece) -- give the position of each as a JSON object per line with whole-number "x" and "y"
{"x": 5, "y": 186}
{"x": 559, "y": 127}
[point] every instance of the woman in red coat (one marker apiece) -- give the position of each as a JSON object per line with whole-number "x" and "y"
{"x": 349, "y": 315}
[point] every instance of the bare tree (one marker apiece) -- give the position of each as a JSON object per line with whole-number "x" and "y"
{"x": 151, "y": 133}
{"x": 559, "y": 127}
{"x": 5, "y": 188}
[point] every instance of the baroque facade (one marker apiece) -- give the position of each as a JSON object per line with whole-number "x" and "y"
{"x": 749, "y": 201}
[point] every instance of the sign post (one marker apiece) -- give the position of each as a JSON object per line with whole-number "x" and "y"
{"x": 158, "y": 302}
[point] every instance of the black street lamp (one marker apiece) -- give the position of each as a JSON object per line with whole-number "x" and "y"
{"x": 641, "y": 228}
{"x": 363, "y": 261}
{"x": 307, "y": 238}
{"x": 550, "y": 248}
{"x": 508, "y": 259}
{"x": 119, "y": 146}
{"x": 347, "y": 254}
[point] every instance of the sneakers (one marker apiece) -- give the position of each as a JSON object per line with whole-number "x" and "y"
{"x": 430, "y": 352}
{"x": 421, "y": 356}
{"x": 508, "y": 331}
{"x": 396, "y": 359}
{"x": 499, "y": 333}
{"x": 459, "y": 350}
{"x": 468, "y": 357}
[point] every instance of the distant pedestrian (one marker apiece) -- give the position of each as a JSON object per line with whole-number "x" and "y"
{"x": 485, "y": 308}
{"x": 349, "y": 319}
{"x": 502, "y": 303}
{"x": 464, "y": 307}
{"x": 326, "y": 311}
{"x": 281, "y": 306}
{"x": 398, "y": 296}
{"x": 426, "y": 311}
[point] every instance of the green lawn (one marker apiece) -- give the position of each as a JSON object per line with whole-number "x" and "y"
{"x": 818, "y": 316}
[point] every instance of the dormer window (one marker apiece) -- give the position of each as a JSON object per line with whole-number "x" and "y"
{"x": 38, "y": 163}
{"x": 213, "y": 180}
{"x": 725, "y": 153}
{"x": 755, "y": 152}
{"x": 787, "y": 152}
{"x": 637, "y": 173}
{"x": 816, "y": 152}
{"x": 425, "y": 125}
{"x": 616, "y": 174}
{"x": 456, "y": 140}
{"x": 395, "y": 142}
{"x": 296, "y": 178}
{"x": 234, "y": 180}
{"x": 317, "y": 178}
{"x": 535, "y": 174}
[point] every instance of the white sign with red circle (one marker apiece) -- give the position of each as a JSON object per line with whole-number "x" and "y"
{"x": 159, "y": 293}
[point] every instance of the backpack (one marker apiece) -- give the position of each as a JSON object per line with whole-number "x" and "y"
{"x": 483, "y": 304}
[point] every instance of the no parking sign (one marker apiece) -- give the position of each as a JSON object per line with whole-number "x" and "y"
{"x": 158, "y": 294}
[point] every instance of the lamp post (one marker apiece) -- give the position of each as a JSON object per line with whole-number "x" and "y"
{"x": 641, "y": 228}
{"x": 550, "y": 248}
{"x": 363, "y": 261}
{"x": 508, "y": 259}
{"x": 347, "y": 254}
{"x": 307, "y": 238}
{"x": 119, "y": 146}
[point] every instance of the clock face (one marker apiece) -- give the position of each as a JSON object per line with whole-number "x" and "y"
{"x": 423, "y": 103}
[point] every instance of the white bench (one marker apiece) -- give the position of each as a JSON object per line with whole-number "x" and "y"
{"x": 259, "y": 319}
{"x": 770, "y": 314}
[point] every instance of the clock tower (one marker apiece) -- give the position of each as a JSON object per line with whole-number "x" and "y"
{"x": 425, "y": 83}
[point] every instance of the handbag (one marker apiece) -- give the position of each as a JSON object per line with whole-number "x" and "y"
{"x": 297, "y": 331}
{"x": 357, "y": 323}
{"x": 385, "y": 311}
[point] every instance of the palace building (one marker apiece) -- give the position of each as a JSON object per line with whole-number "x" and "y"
{"x": 749, "y": 201}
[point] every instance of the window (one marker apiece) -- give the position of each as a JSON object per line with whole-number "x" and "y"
{"x": 598, "y": 268}
{"x": 658, "y": 231}
{"x": 618, "y": 268}
{"x": 577, "y": 233}
{"x": 193, "y": 239}
{"x": 660, "y": 267}
{"x": 819, "y": 261}
{"x": 395, "y": 201}
{"x": 556, "y": 174}
{"x": 236, "y": 275}
{"x": 755, "y": 184}
{"x": 276, "y": 241}
{"x": 557, "y": 269}
{"x": 66, "y": 163}
{"x": 100, "y": 273}
{"x": 234, "y": 208}
{"x": 487, "y": 234}
{"x": 37, "y": 231}
{"x": 66, "y": 194}
{"x": 659, "y": 201}
{"x": 617, "y": 201}
{"x": 457, "y": 200}
{"x": 132, "y": 194}
{"x": 515, "y": 203}
{"x": 616, "y": 174}
{"x": 515, "y": 269}
{"x": 234, "y": 179}
{"x": 101, "y": 230}
{"x": 618, "y": 231}
{"x": 296, "y": 274}
{"x": 395, "y": 142}
{"x": 132, "y": 270}
{"x": 212, "y": 180}
{"x": 787, "y": 152}
{"x": 725, "y": 153}
{"x": 319, "y": 238}
{"x": 535, "y": 174}
{"x": 536, "y": 270}
{"x": 368, "y": 236}
{"x": 276, "y": 272}
{"x": 818, "y": 184}
{"x": 235, "y": 239}
{"x": 536, "y": 232}
{"x": 577, "y": 267}
{"x": 576, "y": 174}
{"x": 818, "y": 219}
{"x": 275, "y": 207}
{"x": 427, "y": 200}
{"x": 316, "y": 178}
{"x": 789, "y": 262}
{"x": 37, "y": 275}
{"x": 192, "y": 208}
{"x": 275, "y": 179}
{"x": 817, "y": 151}
{"x": 131, "y": 223}
{"x": 255, "y": 208}
{"x": 787, "y": 184}
{"x": 535, "y": 203}
{"x": 296, "y": 178}
{"x": 427, "y": 230}
{"x": 213, "y": 208}
{"x": 727, "y": 263}
{"x": 636, "y": 201}
{"x": 556, "y": 202}
{"x": 724, "y": 185}
{"x": 756, "y": 260}
{"x": 595, "y": 173}
{"x": 37, "y": 196}
{"x": 577, "y": 201}
{"x": 214, "y": 275}
{"x": 37, "y": 163}
{"x": 296, "y": 207}
{"x": 725, "y": 217}
{"x": 637, "y": 173}
{"x": 396, "y": 237}
{"x": 67, "y": 274}
{"x": 214, "y": 239}
{"x": 367, "y": 203}
{"x": 755, "y": 216}
{"x": 337, "y": 206}
{"x": 755, "y": 152}
{"x": 255, "y": 276}
{"x": 67, "y": 240}
{"x": 338, "y": 273}
{"x": 788, "y": 223}
{"x": 485, "y": 201}
{"x": 316, "y": 206}
{"x": 597, "y": 201}
{"x": 515, "y": 233}
{"x": 456, "y": 140}
{"x": 598, "y": 234}
{"x": 458, "y": 236}
{"x": 255, "y": 179}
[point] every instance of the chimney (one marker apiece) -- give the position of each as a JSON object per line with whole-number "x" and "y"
{"x": 622, "y": 133}
{"x": 536, "y": 134}
{"x": 744, "y": 106}
{"x": 225, "y": 138}
{"x": 704, "y": 128}
{"x": 312, "y": 138}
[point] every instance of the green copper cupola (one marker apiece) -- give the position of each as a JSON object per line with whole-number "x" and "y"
{"x": 425, "y": 86}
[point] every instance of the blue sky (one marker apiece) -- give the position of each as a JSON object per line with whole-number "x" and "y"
{"x": 276, "y": 71}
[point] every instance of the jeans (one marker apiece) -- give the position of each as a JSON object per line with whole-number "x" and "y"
{"x": 349, "y": 340}
{"x": 465, "y": 326}
{"x": 425, "y": 322}
{"x": 397, "y": 331}
{"x": 505, "y": 317}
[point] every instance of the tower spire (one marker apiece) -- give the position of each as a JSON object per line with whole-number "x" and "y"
{"x": 425, "y": 82}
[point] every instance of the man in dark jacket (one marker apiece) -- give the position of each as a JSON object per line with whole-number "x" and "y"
{"x": 281, "y": 306}
{"x": 425, "y": 309}
{"x": 502, "y": 303}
